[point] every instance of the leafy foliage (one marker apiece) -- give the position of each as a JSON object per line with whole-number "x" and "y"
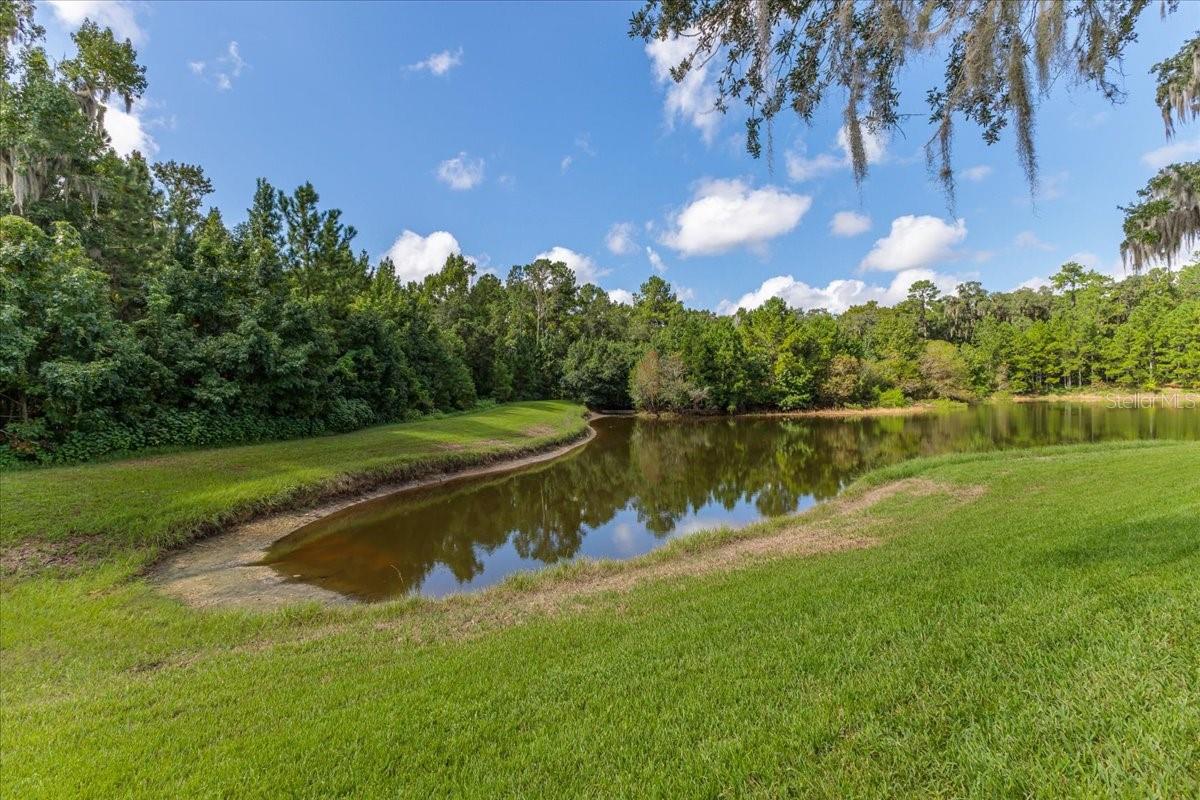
{"x": 660, "y": 384}
{"x": 1166, "y": 218}
{"x": 1000, "y": 56}
{"x": 1178, "y": 92}
{"x": 131, "y": 317}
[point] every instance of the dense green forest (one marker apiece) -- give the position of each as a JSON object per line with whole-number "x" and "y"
{"x": 132, "y": 318}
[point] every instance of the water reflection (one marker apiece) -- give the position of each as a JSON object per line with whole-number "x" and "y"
{"x": 640, "y": 482}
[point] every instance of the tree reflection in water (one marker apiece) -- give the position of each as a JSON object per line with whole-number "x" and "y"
{"x": 640, "y": 481}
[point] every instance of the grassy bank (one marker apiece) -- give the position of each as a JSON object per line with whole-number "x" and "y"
{"x": 162, "y": 500}
{"x": 999, "y": 637}
{"x": 1126, "y": 398}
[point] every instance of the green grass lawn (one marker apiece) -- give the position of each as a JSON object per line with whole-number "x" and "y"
{"x": 1039, "y": 639}
{"x": 164, "y": 499}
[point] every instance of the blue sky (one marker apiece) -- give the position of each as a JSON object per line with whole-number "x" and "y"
{"x": 511, "y": 130}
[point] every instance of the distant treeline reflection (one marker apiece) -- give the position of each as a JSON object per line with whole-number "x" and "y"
{"x": 665, "y": 472}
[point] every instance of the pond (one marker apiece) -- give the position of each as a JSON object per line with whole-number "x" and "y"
{"x": 640, "y": 483}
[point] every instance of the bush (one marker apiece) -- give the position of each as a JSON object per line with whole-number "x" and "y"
{"x": 843, "y": 383}
{"x": 891, "y": 398}
{"x": 943, "y": 405}
{"x": 596, "y": 372}
{"x": 945, "y": 371}
{"x": 660, "y": 383}
{"x": 105, "y": 437}
{"x": 349, "y": 415}
{"x": 8, "y": 458}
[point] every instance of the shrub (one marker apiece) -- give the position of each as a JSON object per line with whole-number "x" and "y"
{"x": 945, "y": 371}
{"x": 349, "y": 415}
{"x": 105, "y": 437}
{"x": 942, "y": 405}
{"x": 843, "y": 383}
{"x": 891, "y": 398}
{"x": 659, "y": 383}
{"x": 596, "y": 372}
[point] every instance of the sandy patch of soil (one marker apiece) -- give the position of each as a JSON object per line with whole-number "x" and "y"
{"x": 457, "y": 447}
{"x": 223, "y": 570}
{"x": 538, "y": 430}
{"x": 26, "y": 558}
{"x": 804, "y": 537}
{"x": 839, "y": 527}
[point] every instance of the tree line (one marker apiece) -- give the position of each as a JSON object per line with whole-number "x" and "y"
{"x": 132, "y": 318}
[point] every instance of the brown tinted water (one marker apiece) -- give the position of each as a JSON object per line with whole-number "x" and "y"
{"x": 639, "y": 483}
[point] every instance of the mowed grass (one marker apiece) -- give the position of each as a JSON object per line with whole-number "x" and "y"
{"x": 164, "y": 499}
{"x": 1039, "y": 639}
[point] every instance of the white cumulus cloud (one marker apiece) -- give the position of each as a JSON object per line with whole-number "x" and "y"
{"x": 233, "y": 63}
{"x": 802, "y": 168}
{"x": 1054, "y": 186}
{"x": 622, "y": 296}
{"x": 620, "y": 240}
{"x": 461, "y": 172}
{"x": 439, "y": 63}
{"x": 585, "y": 269}
{"x": 1034, "y": 283}
{"x": 1050, "y": 187}
{"x": 1115, "y": 268}
{"x": 1112, "y": 268}
{"x": 223, "y": 69}
{"x": 915, "y": 242}
{"x": 694, "y": 98}
{"x": 1178, "y": 150}
{"x": 655, "y": 260}
{"x": 977, "y": 173}
{"x": 1030, "y": 241}
{"x": 583, "y": 143}
{"x": 874, "y": 144}
{"x": 127, "y": 131}
{"x": 837, "y": 295}
{"x": 416, "y": 256}
{"x": 116, "y": 14}
{"x": 849, "y": 223}
{"x": 725, "y": 214}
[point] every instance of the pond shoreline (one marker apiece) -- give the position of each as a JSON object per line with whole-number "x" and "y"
{"x": 846, "y": 413}
{"x": 383, "y": 543}
{"x": 1129, "y": 399}
{"x": 226, "y": 569}
{"x": 826, "y": 413}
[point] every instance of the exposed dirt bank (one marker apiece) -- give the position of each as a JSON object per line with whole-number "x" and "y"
{"x": 224, "y": 569}
{"x": 220, "y": 572}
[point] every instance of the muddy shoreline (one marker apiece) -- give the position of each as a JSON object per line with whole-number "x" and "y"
{"x": 225, "y": 570}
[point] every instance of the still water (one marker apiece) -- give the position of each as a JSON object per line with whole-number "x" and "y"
{"x": 639, "y": 483}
